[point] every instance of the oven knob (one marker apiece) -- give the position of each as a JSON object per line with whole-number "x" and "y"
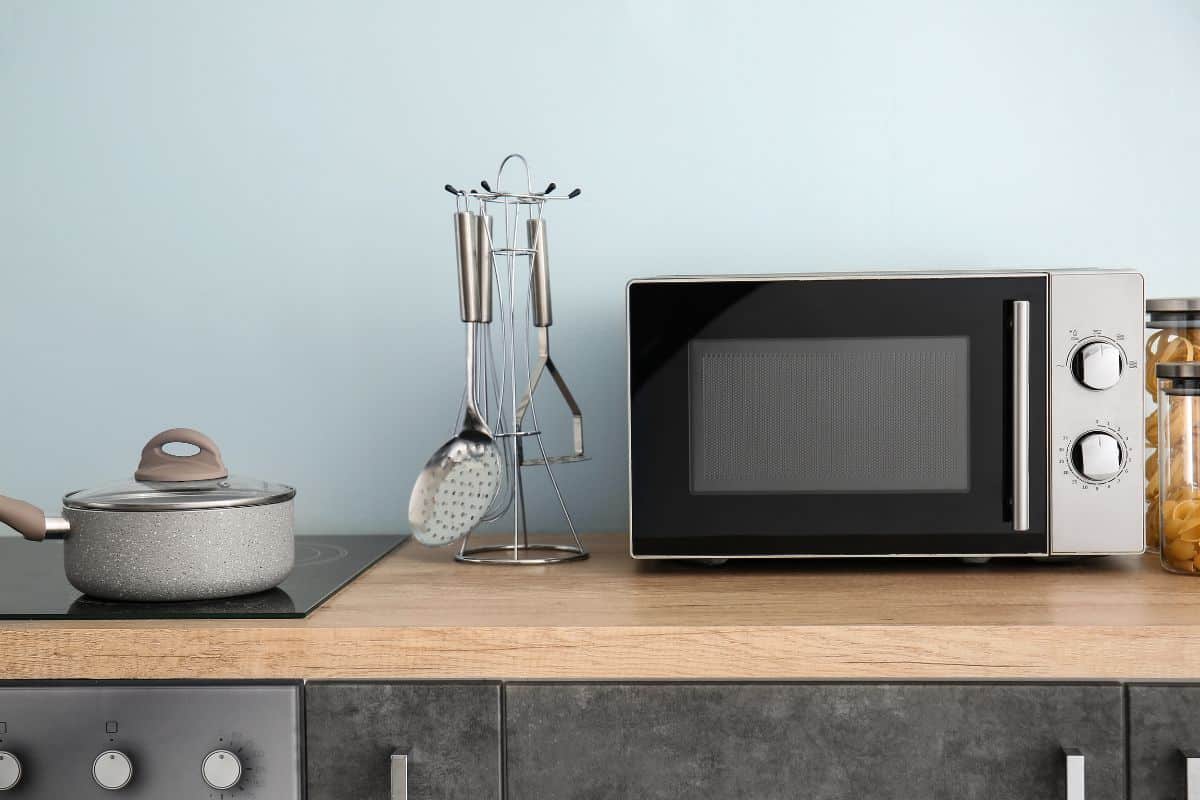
{"x": 1098, "y": 364}
{"x": 112, "y": 770}
{"x": 1098, "y": 456}
{"x": 221, "y": 770}
{"x": 10, "y": 770}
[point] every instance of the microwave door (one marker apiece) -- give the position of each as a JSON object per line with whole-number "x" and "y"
{"x": 799, "y": 417}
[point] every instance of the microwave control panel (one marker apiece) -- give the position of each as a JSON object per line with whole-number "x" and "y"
{"x": 1097, "y": 389}
{"x": 151, "y": 741}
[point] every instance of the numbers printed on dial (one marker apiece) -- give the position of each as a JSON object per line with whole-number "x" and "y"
{"x": 1097, "y": 459}
{"x": 1102, "y": 466}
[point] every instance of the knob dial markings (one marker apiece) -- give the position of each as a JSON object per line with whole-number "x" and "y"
{"x": 1098, "y": 364}
{"x": 1098, "y": 456}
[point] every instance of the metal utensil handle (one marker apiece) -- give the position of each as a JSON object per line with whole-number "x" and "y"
{"x": 399, "y": 777}
{"x": 1020, "y": 427}
{"x": 1192, "y": 759}
{"x": 468, "y": 273}
{"x": 472, "y": 400}
{"x": 543, "y": 314}
{"x": 483, "y": 258}
{"x": 1075, "y": 773}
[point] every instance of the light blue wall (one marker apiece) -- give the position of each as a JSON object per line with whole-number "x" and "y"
{"x": 228, "y": 215}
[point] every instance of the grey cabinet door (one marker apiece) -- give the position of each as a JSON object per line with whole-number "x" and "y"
{"x": 1164, "y": 721}
{"x": 450, "y": 732}
{"x": 816, "y": 741}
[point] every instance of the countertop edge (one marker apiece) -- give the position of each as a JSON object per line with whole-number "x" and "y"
{"x": 868, "y": 651}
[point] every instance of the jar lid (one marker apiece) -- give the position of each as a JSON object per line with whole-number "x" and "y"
{"x": 1173, "y": 312}
{"x": 132, "y": 495}
{"x": 1178, "y": 369}
{"x": 1173, "y": 304}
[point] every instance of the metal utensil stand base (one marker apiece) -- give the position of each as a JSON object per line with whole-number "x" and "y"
{"x": 512, "y": 266}
{"x": 521, "y": 551}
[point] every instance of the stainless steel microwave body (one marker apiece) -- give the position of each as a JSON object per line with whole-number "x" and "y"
{"x": 886, "y": 414}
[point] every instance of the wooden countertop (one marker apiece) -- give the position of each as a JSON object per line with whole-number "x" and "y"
{"x": 418, "y": 614}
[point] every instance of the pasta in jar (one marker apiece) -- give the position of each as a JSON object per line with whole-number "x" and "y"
{"x": 1178, "y": 466}
{"x": 1174, "y": 325}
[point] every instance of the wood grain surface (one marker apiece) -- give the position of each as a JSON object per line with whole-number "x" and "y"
{"x": 418, "y": 614}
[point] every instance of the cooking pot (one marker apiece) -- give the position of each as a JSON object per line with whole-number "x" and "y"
{"x": 182, "y": 529}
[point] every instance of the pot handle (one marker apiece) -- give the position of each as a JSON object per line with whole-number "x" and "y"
{"x": 25, "y": 519}
{"x": 160, "y": 466}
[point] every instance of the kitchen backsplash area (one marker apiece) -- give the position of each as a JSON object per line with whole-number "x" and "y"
{"x": 231, "y": 218}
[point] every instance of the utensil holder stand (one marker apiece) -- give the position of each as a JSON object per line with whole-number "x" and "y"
{"x": 512, "y": 277}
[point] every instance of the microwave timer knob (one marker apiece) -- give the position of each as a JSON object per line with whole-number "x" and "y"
{"x": 1098, "y": 456}
{"x": 222, "y": 770}
{"x": 112, "y": 770}
{"x": 10, "y": 770}
{"x": 1098, "y": 364}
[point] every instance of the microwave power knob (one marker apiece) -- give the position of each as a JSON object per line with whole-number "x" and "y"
{"x": 1098, "y": 456}
{"x": 1098, "y": 364}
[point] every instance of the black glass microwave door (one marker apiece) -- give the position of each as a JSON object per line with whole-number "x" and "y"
{"x": 794, "y": 417}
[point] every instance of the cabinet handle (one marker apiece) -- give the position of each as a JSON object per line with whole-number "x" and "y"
{"x": 399, "y": 776}
{"x": 1074, "y": 773}
{"x": 1193, "y": 773}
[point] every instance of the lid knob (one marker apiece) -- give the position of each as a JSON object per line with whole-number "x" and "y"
{"x": 158, "y": 465}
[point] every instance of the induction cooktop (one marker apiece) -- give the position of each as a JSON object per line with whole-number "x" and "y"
{"x": 33, "y": 585}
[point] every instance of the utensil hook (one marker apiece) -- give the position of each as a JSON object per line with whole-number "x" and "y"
{"x": 500, "y": 172}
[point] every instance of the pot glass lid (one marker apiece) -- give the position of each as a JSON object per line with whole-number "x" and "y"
{"x": 232, "y": 491}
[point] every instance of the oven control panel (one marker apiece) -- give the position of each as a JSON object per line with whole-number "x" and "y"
{"x": 150, "y": 741}
{"x": 1096, "y": 402}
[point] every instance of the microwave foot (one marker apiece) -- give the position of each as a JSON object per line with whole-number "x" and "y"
{"x": 976, "y": 559}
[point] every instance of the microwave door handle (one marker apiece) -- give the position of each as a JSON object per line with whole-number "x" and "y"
{"x": 1020, "y": 421}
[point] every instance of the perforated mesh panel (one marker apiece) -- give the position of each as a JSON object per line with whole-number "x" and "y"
{"x": 831, "y": 415}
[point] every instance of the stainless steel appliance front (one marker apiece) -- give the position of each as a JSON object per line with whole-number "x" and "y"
{"x": 960, "y": 413}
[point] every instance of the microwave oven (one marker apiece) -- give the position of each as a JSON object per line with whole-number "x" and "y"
{"x": 969, "y": 414}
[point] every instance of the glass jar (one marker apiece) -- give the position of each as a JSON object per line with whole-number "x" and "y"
{"x": 1173, "y": 325}
{"x": 1179, "y": 465}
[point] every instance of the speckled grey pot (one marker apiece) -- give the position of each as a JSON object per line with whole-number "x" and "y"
{"x": 182, "y": 529}
{"x": 179, "y": 555}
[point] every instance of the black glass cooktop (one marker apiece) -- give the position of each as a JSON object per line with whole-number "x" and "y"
{"x": 33, "y": 585}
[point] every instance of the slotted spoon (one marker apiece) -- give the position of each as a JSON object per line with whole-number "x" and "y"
{"x": 459, "y": 481}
